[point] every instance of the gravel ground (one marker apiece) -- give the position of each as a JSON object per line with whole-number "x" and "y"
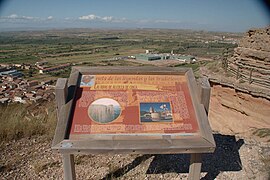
{"x": 234, "y": 158}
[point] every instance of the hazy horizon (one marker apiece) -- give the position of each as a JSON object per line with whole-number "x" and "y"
{"x": 209, "y": 15}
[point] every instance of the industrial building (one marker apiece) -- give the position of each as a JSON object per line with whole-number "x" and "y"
{"x": 13, "y": 73}
{"x": 152, "y": 57}
{"x": 186, "y": 59}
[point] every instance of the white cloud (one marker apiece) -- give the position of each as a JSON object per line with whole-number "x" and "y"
{"x": 163, "y": 21}
{"x": 15, "y": 16}
{"x": 93, "y": 17}
{"x": 107, "y": 18}
{"x": 111, "y": 19}
{"x": 89, "y": 17}
{"x": 83, "y": 21}
{"x": 143, "y": 21}
{"x": 29, "y": 17}
{"x": 18, "y": 20}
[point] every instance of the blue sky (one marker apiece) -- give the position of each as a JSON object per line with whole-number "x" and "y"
{"x": 213, "y": 15}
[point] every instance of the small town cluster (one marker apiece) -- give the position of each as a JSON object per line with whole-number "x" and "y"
{"x": 15, "y": 88}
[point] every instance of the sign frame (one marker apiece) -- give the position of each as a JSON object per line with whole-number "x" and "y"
{"x": 203, "y": 142}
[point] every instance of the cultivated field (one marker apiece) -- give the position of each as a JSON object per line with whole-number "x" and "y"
{"x": 92, "y": 46}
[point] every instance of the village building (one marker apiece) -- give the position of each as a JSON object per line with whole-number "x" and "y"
{"x": 19, "y": 98}
{"x": 4, "y": 100}
{"x": 41, "y": 63}
{"x": 32, "y": 83}
{"x": 14, "y": 89}
{"x": 48, "y": 82}
{"x": 17, "y": 65}
{"x": 29, "y": 95}
{"x": 2, "y": 69}
{"x": 55, "y": 68}
{"x": 26, "y": 66}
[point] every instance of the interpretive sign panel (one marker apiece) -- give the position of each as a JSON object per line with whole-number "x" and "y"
{"x": 146, "y": 110}
{"x": 131, "y": 110}
{"x": 133, "y": 104}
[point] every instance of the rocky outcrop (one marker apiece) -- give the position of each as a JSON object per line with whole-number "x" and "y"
{"x": 234, "y": 112}
{"x": 251, "y": 60}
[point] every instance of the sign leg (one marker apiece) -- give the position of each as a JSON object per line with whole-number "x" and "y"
{"x": 69, "y": 167}
{"x": 195, "y": 167}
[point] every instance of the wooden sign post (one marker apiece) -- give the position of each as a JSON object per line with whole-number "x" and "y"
{"x": 135, "y": 110}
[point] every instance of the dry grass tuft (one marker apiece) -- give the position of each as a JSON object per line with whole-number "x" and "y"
{"x": 20, "y": 120}
{"x": 42, "y": 165}
{"x": 262, "y": 133}
{"x": 266, "y": 161}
